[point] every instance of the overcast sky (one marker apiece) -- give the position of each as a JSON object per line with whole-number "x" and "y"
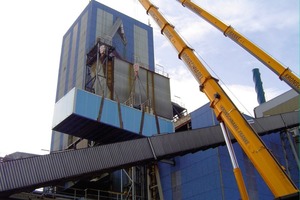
{"x": 30, "y": 44}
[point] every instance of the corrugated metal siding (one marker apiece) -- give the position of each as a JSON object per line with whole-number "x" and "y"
{"x": 188, "y": 141}
{"x": 272, "y": 123}
{"x": 149, "y": 85}
{"x": 42, "y": 170}
{"x": 291, "y": 118}
{"x": 267, "y": 123}
{"x": 39, "y": 171}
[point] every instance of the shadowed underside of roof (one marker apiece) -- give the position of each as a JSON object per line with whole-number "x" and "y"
{"x": 38, "y": 171}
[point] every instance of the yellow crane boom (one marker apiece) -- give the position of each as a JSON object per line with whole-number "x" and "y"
{"x": 263, "y": 160}
{"x": 284, "y": 73}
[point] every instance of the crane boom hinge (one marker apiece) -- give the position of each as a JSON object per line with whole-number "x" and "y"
{"x": 201, "y": 87}
{"x": 151, "y": 5}
{"x": 182, "y": 50}
{"x": 226, "y": 30}
{"x": 182, "y": 2}
{"x": 282, "y": 74}
{"x": 165, "y": 25}
{"x": 212, "y": 105}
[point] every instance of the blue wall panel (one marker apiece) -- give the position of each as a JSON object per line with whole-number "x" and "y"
{"x": 110, "y": 113}
{"x": 87, "y": 105}
{"x": 131, "y": 119}
{"x": 165, "y": 126}
{"x": 209, "y": 174}
{"x": 200, "y": 175}
{"x": 149, "y": 128}
{"x": 203, "y": 117}
{"x": 126, "y": 51}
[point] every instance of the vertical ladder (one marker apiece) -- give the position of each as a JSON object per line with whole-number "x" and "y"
{"x": 154, "y": 184}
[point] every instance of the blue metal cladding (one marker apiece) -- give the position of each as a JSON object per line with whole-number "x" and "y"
{"x": 200, "y": 176}
{"x": 209, "y": 174}
{"x": 74, "y": 73}
{"x": 59, "y": 74}
{"x": 90, "y": 39}
{"x": 71, "y": 45}
{"x": 68, "y": 63}
{"x": 82, "y": 103}
{"x": 127, "y": 52}
{"x": 203, "y": 117}
{"x": 165, "y": 178}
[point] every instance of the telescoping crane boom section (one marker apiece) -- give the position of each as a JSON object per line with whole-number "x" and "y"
{"x": 284, "y": 73}
{"x": 266, "y": 164}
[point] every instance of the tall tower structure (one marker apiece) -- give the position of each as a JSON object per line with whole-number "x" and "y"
{"x": 131, "y": 41}
{"x": 258, "y": 86}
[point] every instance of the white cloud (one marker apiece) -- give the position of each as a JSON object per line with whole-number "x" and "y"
{"x": 31, "y": 36}
{"x": 30, "y": 48}
{"x": 244, "y": 97}
{"x": 185, "y": 88}
{"x": 185, "y": 91}
{"x": 247, "y": 16}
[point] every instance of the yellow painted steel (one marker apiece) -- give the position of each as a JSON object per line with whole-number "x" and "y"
{"x": 284, "y": 73}
{"x": 237, "y": 172}
{"x": 266, "y": 164}
{"x": 241, "y": 184}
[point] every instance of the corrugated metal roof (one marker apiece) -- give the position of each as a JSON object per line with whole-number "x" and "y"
{"x": 276, "y": 122}
{"x": 37, "y": 171}
{"x": 29, "y": 173}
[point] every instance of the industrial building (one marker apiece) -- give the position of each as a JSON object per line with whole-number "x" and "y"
{"x": 125, "y": 42}
{"x": 117, "y": 135}
{"x": 208, "y": 174}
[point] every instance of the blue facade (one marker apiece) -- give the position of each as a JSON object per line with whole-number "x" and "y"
{"x": 87, "y": 105}
{"x": 95, "y": 21}
{"x": 128, "y": 51}
{"x": 209, "y": 174}
{"x": 82, "y": 36}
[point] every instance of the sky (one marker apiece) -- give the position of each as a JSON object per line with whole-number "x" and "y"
{"x": 30, "y": 44}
